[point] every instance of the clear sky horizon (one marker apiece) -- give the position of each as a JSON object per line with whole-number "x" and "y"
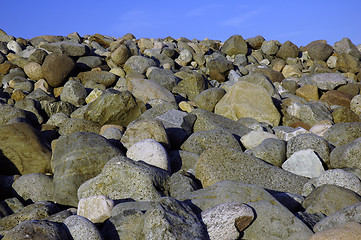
{"x": 298, "y": 21}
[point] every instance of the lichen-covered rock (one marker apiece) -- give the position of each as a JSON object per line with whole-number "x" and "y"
{"x": 76, "y": 158}
{"x": 123, "y": 178}
{"x": 224, "y": 163}
{"x": 23, "y": 150}
{"x": 275, "y": 222}
{"x": 248, "y": 100}
{"x": 114, "y": 107}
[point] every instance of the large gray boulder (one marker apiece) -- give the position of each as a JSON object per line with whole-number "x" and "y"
{"x": 224, "y": 163}
{"x": 275, "y": 222}
{"x": 76, "y": 158}
{"x": 123, "y": 178}
{"x": 114, "y": 107}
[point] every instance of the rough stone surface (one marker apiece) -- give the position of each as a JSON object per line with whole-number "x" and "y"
{"x": 23, "y": 150}
{"x": 198, "y": 142}
{"x": 225, "y": 221}
{"x": 235, "y": 45}
{"x": 304, "y": 163}
{"x": 328, "y": 199}
{"x": 254, "y": 138}
{"x": 145, "y": 129}
{"x": 310, "y": 141}
{"x": 271, "y": 150}
{"x": 347, "y": 231}
{"x": 226, "y": 191}
{"x": 34, "y": 186}
{"x": 35, "y": 211}
{"x": 71, "y": 125}
{"x": 336, "y": 177}
{"x": 209, "y": 98}
{"x": 342, "y": 133}
{"x": 73, "y": 92}
{"x": 151, "y": 152}
{"x": 347, "y": 214}
{"x": 81, "y": 228}
{"x": 154, "y": 90}
{"x": 123, "y": 178}
{"x": 221, "y": 163}
{"x": 346, "y": 155}
{"x": 138, "y": 64}
{"x": 248, "y": 100}
{"x": 114, "y": 107}
{"x": 95, "y": 208}
{"x": 56, "y": 68}
{"x": 275, "y": 222}
{"x": 35, "y": 229}
{"x": 76, "y": 158}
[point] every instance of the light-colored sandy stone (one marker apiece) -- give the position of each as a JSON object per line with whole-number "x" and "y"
{"x": 96, "y": 208}
{"x": 248, "y": 100}
{"x": 254, "y": 138}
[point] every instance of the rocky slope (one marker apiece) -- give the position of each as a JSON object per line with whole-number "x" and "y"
{"x": 125, "y": 138}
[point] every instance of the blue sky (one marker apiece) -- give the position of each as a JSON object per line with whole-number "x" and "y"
{"x": 298, "y": 21}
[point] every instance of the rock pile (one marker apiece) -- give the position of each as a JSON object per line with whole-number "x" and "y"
{"x": 105, "y": 138}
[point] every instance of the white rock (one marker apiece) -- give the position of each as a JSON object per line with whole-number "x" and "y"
{"x": 80, "y": 228}
{"x": 304, "y": 163}
{"x": 223, "y": 220}
{"x": 287, "y": 135}
{"x": 336, "y": 177}
{"x": 112, "y": 133}
{"x": 96, "y": 208}
{"x": 332, "y": 62}
{"x": 255, "y": 138}
{"x": 355, "y": 104}
{"x": 14, "y": 46}
{"x": 320, "y": 129}
{"x": 151, "y": 152}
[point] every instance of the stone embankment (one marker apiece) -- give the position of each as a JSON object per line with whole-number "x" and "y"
{"x": 125, "y": 138}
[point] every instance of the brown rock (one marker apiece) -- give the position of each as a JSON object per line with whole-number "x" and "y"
{"x": 278, "y": 64}
{"x": 23, "y": 150}
{"x": 5, "y": 67}
{"x": 17, "y": 95}
{"x": 308, "y": 92}
{"x": 334, "y": 97}
{"x": 272, "y": 74}
{"x": 347, "y": 231}
{"x": 56, "y": 68}
{"x": 102, "y": 40}
{"x": 347, "y": 63}
{"x": 255, "y": 42}
{"x": 319, "y": 50}
{"x": 344, "y": 114}
{"x": 350, "y": 88}
{"x": 235, "y": 45}
{"x": 288, "y": 49}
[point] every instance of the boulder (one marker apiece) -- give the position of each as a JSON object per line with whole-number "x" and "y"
{"x": 56, "y": 67}
{"x": 222, "y": 163}
{"x": 123, "y": 178}
{"x": 275, "y": 222}
{"x": 248, "y": 100}
{"x": 342, "y": 133}
{"x": 347, "y": 231}
{"x": 145, "y": 129}
{"x": 347, "y": 155}
{"x": 235, "y": 45}
{"x": 76, "y": 158}
{"x": 154, "y": 90}
{"x": 95, "y": 208}
{"x": 151, "y": 152}
{"x": 102, "y": 77}
{"x": 328, "y": 199}
{"x": 36, "y": 187}
{"x": 227, "y": 220}
{"x": 23, "y": 150}
{"x": 81, "y": 228}
{"x": 114, "y": 107}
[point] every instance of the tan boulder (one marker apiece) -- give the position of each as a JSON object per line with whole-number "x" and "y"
{"x": 248, "y": 100}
